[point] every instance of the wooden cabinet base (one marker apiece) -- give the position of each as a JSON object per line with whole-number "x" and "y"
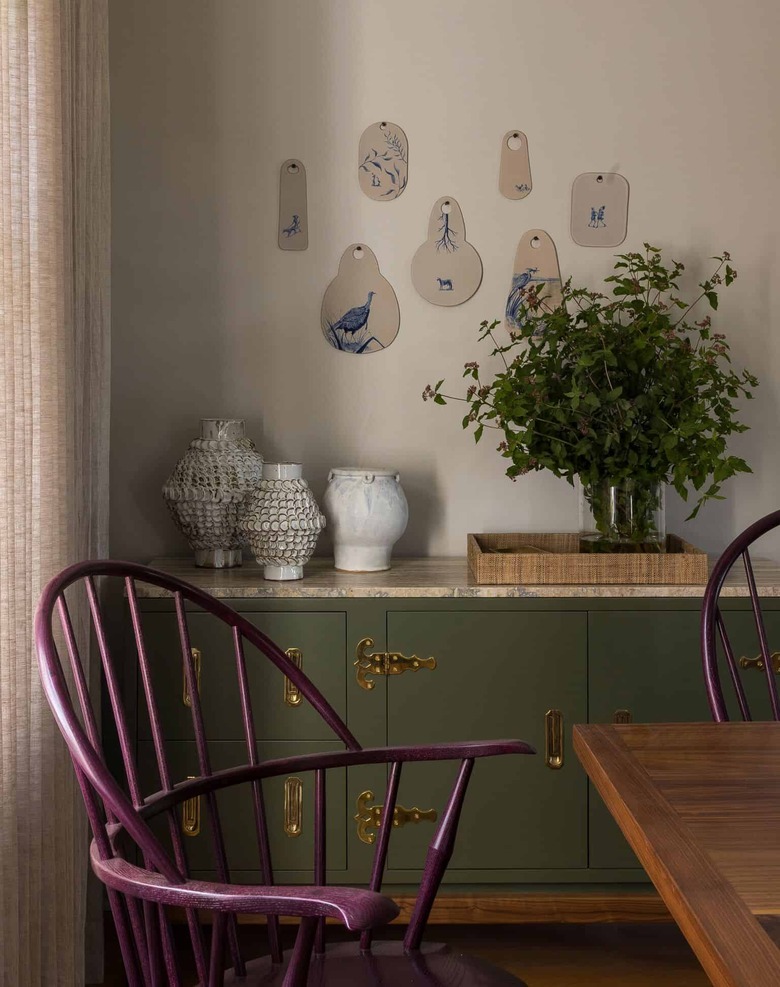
{"x": 519, "y": 909}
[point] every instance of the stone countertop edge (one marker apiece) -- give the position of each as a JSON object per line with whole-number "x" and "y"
{"x": 433, "y": 578}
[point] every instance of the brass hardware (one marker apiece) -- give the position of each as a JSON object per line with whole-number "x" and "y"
{"x": 190, "y": 814}
{"x": 293, "y": 807}
{"x": 384, "y": 663}
{"x": 292, "y": 694}
{"x": 186, "y": 698}
{"x": 369, "y": 817}
{"x": 553, "y": 739}
{"x": 622, "y": 716}
{"x": 758, "y": 662}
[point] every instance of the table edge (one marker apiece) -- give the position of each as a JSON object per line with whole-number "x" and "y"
{"x": 629, "y": 806}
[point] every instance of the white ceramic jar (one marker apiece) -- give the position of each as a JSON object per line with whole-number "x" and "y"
{"x": 367, "y": 511}
{"x": 282, "y": 521}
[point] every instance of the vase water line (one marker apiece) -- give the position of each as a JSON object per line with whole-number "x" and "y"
{"x": 282, "y": 521}
{"x": 367, "y": 510}
{"x": 208, "y": 489}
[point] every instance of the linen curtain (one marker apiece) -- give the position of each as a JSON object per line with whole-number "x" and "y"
{"x": 54, "y": 378}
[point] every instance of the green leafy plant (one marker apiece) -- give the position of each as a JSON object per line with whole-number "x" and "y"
{"x": 614, "y": 387}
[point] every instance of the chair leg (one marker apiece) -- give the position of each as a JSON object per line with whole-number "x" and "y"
{"x": 439, "y": 854}
{"x": 217, "y": 953}
{"x": 298, "y": 970}
{"x": 124, "y": 933}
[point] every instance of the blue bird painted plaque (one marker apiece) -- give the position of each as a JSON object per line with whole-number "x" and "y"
{"x": 360, "y": 311}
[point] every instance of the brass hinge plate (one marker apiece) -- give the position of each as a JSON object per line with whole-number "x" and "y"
{"x": 384, "y": 663}
{"x": 369, "y": 817}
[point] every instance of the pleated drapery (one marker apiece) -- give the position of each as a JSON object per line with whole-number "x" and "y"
{"x": 54, "y": 384}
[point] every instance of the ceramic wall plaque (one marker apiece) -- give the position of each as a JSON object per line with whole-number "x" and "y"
{"x": 383, "y": 161}
{"x": 293, "y": 209}
{"x": 536, "y": 263}
{"x": 514, "y": 175}
{"x": 360, "y": 312}
{"x": 599, "y": 209}
{"x": 446, "y": 270}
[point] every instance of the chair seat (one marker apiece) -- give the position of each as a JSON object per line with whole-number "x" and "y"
{"x": 343, "y": 965}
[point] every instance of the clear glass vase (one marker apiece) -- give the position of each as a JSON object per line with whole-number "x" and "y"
{"x": 622, "y": 516}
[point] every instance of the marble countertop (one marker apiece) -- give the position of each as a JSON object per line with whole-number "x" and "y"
{"x": 430, "y": 577}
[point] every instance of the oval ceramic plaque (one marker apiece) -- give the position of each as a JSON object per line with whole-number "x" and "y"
{"x": 360, "y": 312}
{"x": 293, "y": 210}
{"x": 383, "y": 161}
{"x": 514, "y": 176}
{"x": 599, "y": 209}
{"x": 536, "y": 264}
{"x": 446, "y": 270}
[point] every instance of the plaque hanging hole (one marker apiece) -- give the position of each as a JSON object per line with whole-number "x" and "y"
{"x": 292, "y": 168}
{"x": 358, "y": 253}
{"x": 515, "y": 142}
{"x": 599, "y": 178}
{"x": 446, "y": 206}
{"x": 536, "y": 242}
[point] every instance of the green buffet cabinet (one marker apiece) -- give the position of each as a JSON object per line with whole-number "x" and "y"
{"x": 508, "y": 661}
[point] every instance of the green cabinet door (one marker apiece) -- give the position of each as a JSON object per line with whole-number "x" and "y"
{"x": 648, "y": 663}
{"x": 319, "y": 638}
{"x": 291, "y": 838}
{"x": 497, "y": 675}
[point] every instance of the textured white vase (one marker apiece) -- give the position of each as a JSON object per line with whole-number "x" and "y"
{"x": 282, "y": 521}
{"x": 367, "y": 511}
{"x": 208, "y": 490}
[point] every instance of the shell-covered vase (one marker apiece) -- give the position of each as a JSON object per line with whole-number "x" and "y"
{"x": 208, "y": 490}
{"x": 367, "y": 512}
{"x": 282, "y": 521}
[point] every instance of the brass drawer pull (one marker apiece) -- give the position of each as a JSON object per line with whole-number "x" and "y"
{"x": 190, "y": 814}
{"x": 293, "y": 807}
{"x": 622, "y": 716}
{"x": 292, "y": 694}
{"x": 384, "y": 663}
{"x": 186, "y": 698}
{"x": 758, "y": 662}
{"x": 369, "y": 817}
{"x": 553, "y": 739}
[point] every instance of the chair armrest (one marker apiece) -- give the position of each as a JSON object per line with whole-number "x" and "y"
{"x": 464, "y": 750}
{"x": 448, "y": 751}
{"x": 355, "y": 908}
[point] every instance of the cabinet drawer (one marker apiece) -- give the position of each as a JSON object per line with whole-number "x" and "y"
{"x": 320, "y": 638}
{"x": 292, "y": 856}
{"x": 497, "y": 675}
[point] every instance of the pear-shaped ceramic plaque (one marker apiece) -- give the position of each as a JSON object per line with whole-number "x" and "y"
{"x": 599, "y": 209}
{"x": 446, "y": 270}
{"x": 293, "y": 209}
{"x": 514, "y": 176}
{"x": 360, "y": 312}
{"x": 383, "y": 161}
{"x": 536, "y": 266}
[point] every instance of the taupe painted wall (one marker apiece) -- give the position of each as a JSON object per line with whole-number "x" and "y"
{"x": 211, "y": 318}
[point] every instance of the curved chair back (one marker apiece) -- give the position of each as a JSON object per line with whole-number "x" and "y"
{"x": 715, "y": 637}
{"x": 113, "y": 803}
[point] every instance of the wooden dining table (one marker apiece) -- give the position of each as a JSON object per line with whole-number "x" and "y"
{"x": 700, "y": 805}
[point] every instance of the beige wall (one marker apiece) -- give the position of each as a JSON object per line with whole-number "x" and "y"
{"x": 211, "y": 318}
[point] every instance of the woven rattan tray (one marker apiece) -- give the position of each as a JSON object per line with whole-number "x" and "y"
{"x": 517, "y": 559}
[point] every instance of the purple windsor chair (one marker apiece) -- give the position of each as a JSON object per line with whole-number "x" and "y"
{"x": 140, "y": 895}
{"x": 713, "y": 630}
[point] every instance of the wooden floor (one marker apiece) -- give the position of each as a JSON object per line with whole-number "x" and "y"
{"x": 609, "y": 955}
